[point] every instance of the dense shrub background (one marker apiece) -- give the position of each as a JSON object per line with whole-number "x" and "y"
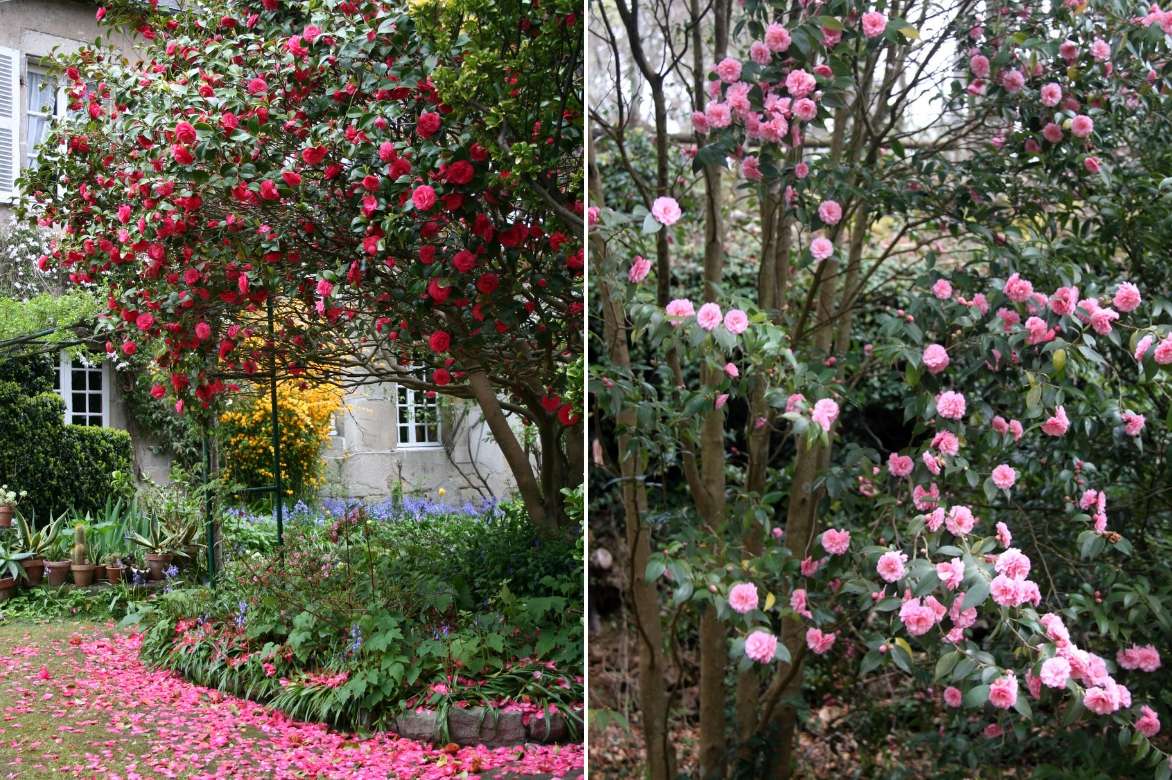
{"x": 61, "y": 466}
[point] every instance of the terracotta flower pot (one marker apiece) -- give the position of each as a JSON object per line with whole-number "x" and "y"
{"x": 57, "y": 572}
{"x": 157, "y": 565}
{"x": 34, "y": 570}
{"x": 7, "y": 588}
{"x": 83, "y": 574}
{"x": 5, "y": 516}
{"x": 115, "y": 574}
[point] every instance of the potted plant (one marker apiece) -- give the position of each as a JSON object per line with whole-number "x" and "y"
{"x": 11, "y": 570}
{"x": 8, "y": 499}
{"x": 185, "y": 540}
{"x": 37, "y": 543}
{"x": 115, "y": 570}
{"x": 57, "y": 567}
{"x": 157, "y": 545}
{"x": 83, "y": 570}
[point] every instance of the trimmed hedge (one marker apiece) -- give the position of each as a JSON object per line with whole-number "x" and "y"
{"x": 61, "y": 466}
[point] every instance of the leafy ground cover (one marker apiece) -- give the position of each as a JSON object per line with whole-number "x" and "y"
{"x": 76, "y": 700}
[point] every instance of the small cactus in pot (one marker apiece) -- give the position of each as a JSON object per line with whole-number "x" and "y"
{"x": 83, "y": 570}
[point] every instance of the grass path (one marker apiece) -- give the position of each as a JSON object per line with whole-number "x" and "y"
{"x": 75, "y": 701}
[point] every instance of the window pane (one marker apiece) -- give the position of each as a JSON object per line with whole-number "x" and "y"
{"x": 42, "y": 93}
{"x": 79, "y": 380}
{"x": 96, "y": 379}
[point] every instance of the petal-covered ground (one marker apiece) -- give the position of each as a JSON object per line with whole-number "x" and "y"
{"x": 76, "y": 701}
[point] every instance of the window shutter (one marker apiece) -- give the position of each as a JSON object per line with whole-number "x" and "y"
{"x": 9, "y": 122}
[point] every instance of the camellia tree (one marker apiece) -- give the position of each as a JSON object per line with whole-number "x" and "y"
{"x": 1029, "y": 360}
{"x": 300, "y": 164}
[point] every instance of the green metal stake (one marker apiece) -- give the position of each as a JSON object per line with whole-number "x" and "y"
{"x": 278, "y": 493}
{"x": 209, "y": 524}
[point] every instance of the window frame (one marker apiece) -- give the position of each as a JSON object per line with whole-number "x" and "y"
{"x": 60, "y": 107}
{"x": 64, "y": 388}
{"x": 416, "y": 399}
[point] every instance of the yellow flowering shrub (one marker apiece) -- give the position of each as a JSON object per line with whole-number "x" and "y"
{"x": 305, "y": 413}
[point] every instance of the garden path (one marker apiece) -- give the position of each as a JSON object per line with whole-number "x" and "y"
{"x": 76, "y": 701}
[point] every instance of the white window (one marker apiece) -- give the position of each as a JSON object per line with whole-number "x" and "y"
{"x": 418, "y": 417}
{"x": 45, "y": 102}
{"x": 85, "y": 388}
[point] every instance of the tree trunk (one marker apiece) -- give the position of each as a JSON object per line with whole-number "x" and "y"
{"x": 544, "y": 516}
{"x": 653, "y": 699}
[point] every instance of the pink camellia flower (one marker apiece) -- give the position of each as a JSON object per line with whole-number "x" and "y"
{"x": 818, "y": 641}
{"x": 917, "y": 617}
{"x": 709, "y": 316}
{"x": 751, "y": 168}
{"x": 1082, "y": 126}
{"x": 1133, "y": 424}
{"x": 1017, "y": 289}
{"x": 759, "y": 53}
{"x": 1163, "y": 352}
{"x": 777, "y": 38}
{"x": 979, "y": 65}
{"x": 1055, "y": 672}
{"x": 1052, "y": 132}
{"x": 1100, "y": 700}
{"x": 950, "y": 405}
{"x": 829, "y": 212}
{"x": 794, "y": 403}
{"x": 640, "y": 267}
{"x": 1142, "y": 657}
{"x": 1064, "y": 300}
{"x": 1100, "y": 50}
{"x": 930, "y": 462}
{"x": 960, "y": 520}
{"x": 1012, "y": 80}
{"x": 953, "y": 697}
{"x": 718, "y": 114}
{"x": 1092, "y": 164}
{"x": 1127, "y": 297}
{"x": 1004, "y": 476}
{"x": 732, "y": 370}
{"x": 729, "y": 70}
{"x": 900, "y": 465}
{"x": 760, "y": 646}
{"x": 805, "y": 109}
{"x": 999, "y": 425}
{"x": 1004, "y": 537}
{"x": 1148, "y": 723}
{"x": 947, "y": 443}
{"x": 935, "y": 358}
{"x": 836, "y": 542}
{"x": 951, "y": 573}
{"x": 742, "y": 597}
{"x": 1003, "y": 692}
{"x": 825, "y": 413}
{"x": 798, "y": 601}
{"x": 721, "y": 400}
{"x": 1058, "y": 424}
{"x": 890, "y": 565}
{"x": 1051, "y": 94}
{"x": 736, "y": 321}
{"x": 942, "y": 289}
{"x": 821, "y": 248}
{"x": 680, "y": 308}
{"x": 874, "y": 24}
{"x": 700, "y": 122}
{"x": 423, "y": 197}
{"x": 799, "y": 83}
{"x": 1013, "y": 563}
{"x": 666, "y": 211}
{"x": 1016, "y": 430}
{"x": 1101, "y": 320}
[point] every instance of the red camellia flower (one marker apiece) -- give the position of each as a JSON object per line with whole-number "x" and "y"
{"x": 439, "y": 341}
{"x": 257, "y": 85}
{"x": 268, "y": 190}
{"x": 129, "y": 347}
{"x": 441, "y": 377}
{"x": 370, "y": 182}
{"x": 185, "y": 133}
{"x": 460, "y": 172}
{"x": 487, "y": 283}
{"x": 229, "y": 121}
{"x": 464, "y": 261}
{"x": 313, "y": 155}
{"x": 181, "y": 154}
{"x": 292, "y": 178}
{"x": 158, "y": 391}
{"x": 423, "y": 197}
{"x": 203, "y": 331}
{"x": 145, "y": 321}
{"x": 429, "y": 124}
